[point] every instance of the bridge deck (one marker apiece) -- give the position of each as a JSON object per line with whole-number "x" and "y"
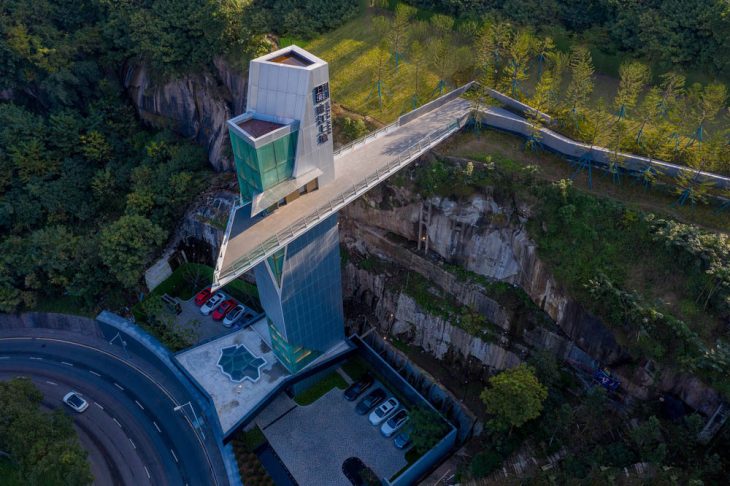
{"x": 249, "y": 241}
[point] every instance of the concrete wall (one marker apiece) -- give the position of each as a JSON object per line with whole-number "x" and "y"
{"x": 505, "y": 120}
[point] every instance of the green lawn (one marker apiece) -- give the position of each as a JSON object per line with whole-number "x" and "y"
{"x": 317, "y": 390}
{"x": 352, "y": 52}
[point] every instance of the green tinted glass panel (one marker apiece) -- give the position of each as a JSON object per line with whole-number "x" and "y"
{"x": 293, "y": 357}
{"x": 258, "y": 169}
{"x": 276, "y": 263}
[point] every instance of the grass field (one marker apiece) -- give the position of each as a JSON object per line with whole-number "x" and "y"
{"x": 353, "y": 54}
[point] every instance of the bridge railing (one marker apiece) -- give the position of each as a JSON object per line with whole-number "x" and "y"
{"x": 285, "y": 236}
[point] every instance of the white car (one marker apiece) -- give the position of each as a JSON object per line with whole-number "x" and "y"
{"x": 383, "y": 411}
{"x": 235, "y": 315}
{"x": 394, "y": 423}
{"x": 212, "y": 303}
{"x": 73, "y": 399}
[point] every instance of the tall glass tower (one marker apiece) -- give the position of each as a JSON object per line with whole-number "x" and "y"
{"x": 282, "y": 146}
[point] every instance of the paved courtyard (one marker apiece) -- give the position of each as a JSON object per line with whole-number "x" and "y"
{"x": 313, "y": 441}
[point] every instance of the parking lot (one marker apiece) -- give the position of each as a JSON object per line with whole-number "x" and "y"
{"x": 207, "y": 328}
{"x": 313, "y": 441}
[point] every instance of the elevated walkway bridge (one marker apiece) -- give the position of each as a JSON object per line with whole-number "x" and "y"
{"x": 367, "y": 162}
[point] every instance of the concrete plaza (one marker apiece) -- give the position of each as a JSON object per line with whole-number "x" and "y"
{"x": 314, "y": 440}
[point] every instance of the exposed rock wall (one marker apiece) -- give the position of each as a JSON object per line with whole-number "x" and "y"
{"x": 195, "y": 106}
{"x": 489, "y": 239}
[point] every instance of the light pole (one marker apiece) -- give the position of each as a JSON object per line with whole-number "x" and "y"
{"x": 196, "y": 423}
{"x": 124, "y": 343}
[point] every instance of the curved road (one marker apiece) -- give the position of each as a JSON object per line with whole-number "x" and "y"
{"x": 133, "y": 435}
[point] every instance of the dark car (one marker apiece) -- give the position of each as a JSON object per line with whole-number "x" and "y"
{"x": 356, "y": 389}
{"x": 402, "y": 440}
{"x": 370, "y": 401}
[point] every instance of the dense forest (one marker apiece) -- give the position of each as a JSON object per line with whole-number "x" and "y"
{"x": 670, "y": 33}
{"x": 87, "y": 193}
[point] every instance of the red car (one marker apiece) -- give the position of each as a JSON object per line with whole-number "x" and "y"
{"x": 223, "y": 309}
{"x": 202, "y": 296}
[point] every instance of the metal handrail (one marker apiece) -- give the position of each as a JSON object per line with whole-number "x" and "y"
{"x": 271, "y": 244}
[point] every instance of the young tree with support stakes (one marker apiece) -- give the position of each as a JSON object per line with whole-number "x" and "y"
{"x": 546, "y": 95}
{"x": 633, "y": 77}
{"x": 491, "y": 47}
{"x": 397, "y": 35}
{"x": 581, "y": 80}
{"x": 419, "y": 58}
{"x": 379, "y": 71}
{"x": 517, "y": 66}
{"x": 444, "y": 59}
{"x": 591, "y": 129}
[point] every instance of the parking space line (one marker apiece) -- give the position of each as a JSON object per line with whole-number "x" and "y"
{"x": 98, "y": 405}
{"x": 148, "y": 472}
{"x": 94, "y": 373}
{"x": 118, "y": 386}
{"x": 157, "y": 426}
{"x": 51, "y": 383}
{"x": 117, "y": 422}
{"x": 132, "y": 442}
{"x": 173, "y": 455}
{"x": 66, "y": 363}
{"x": 139, "y": 404}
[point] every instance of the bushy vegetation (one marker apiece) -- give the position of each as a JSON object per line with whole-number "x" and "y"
{"x": 38, "y": 447}
{"x": 318, "y": 389}
{"x": 594, "y": 440}
{"x": 671, "y": 33}
{"x": 661, "y": 285}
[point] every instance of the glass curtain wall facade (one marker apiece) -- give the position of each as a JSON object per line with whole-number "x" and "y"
{"x": 301, "y": 291}
{"x": 258, "y": 169}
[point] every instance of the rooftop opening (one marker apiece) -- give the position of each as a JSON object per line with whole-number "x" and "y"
{"x": 293, "y": 59}
{"x": 258, "y": 128}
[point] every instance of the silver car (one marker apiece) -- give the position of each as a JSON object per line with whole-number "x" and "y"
{"x": 235, "y": 315}
{"x": 384, "y": 410}
{"x": 212, "y": 303}
{"x": 394, "y": 423}
{"x": 74, "y": 400}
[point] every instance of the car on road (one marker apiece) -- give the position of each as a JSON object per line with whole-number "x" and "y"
{"x": 212, "y": 303}
{"x": 394, "y": 423}
{"x": 356, "y": 389}
{"x": 223, "y": 309}
{"x": 370, "y": 401}
{"x": 402, "y": 440}
{"x": 75, "y": 400}
{"x": 384, "y": 410}
{"x": 235, "y": 315}
{"x": 202, "y": 296}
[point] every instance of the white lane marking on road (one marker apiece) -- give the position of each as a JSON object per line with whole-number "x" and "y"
{"x": 117, "y": 422}
{"x": 51, "y": 383}
{"x": 157, "y": 426}
{"x": 132, "y": 442}
{"x": 148, "y": 472}
{"x": 98, "y": 405}
{"x": 138, "y": 370}
{"x": 94, "y": 373}
{"x": 118, "y": 386}
{"x": 36, "y": 358}
{"x": 173, "y": 455}
{"x": 66, "y": 363}
{"x": 139, "y": 404}
{"x": 4, "y": 357}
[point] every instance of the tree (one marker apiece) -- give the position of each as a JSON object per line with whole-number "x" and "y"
{"x": 126, "y": 246}
{"x": 42, "y": 446}
{"x": 581, "y": 78}
{"x": 426, "y": 428}
{"x": 514, "y": 397}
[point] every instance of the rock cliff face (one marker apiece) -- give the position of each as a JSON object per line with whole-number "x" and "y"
{"x": 195, "y": 106}
{"x": 489, "y": 239}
